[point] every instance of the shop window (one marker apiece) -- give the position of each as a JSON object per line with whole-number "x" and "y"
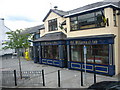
{"x": 52, "y": 25}
{"x": 36, "y": 51}
{"x": 101, "y": 53}
{"x": 86, "y": 21}
{"x": 77, "y": 53}
{"x": 50, "y": 52}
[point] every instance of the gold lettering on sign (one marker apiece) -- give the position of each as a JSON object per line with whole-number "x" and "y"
{"x": 84, "y": 42}
{"x": 49, "y": 43}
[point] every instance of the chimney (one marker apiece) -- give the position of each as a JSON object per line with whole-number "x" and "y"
{"x": 1, "y": 21}
{"x": 55, "y": 7}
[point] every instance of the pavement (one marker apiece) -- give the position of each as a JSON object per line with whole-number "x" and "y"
{"x": 68, "y": 78}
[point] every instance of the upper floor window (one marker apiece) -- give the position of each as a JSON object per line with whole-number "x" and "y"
{"x": 89, "y": 20}
{"x": 52, "y": 25}
{"x": 36, "y": 36}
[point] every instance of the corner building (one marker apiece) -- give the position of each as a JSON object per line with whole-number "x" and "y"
{"x": 95, "y": 27}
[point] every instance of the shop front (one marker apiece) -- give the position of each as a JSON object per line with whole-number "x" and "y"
{"x": 69, "y": 53}
{"x": 99, "y": 48}
{"x": 53, "y": 53}
{"x": 51, "y": 50}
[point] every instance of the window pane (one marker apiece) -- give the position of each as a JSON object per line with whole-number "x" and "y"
{"x": 50, "y": 52}
{"x": 74, "y": 25}
{"x": 81, "y": 17}
{"x": 73, "y": 18}
{"x": 99, "y": 13}
{"x": 100, "y": 52}
{"x": 52, "y": 24}
{"x": 76, "y": 53}
{"x": 90, "y": 20}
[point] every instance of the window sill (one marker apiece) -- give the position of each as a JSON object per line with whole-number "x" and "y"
{"x": 87, "y": 28}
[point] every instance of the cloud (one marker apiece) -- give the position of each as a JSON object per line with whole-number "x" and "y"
{"x": 23, "y": 13}
{"x": 19, "y": 18}
{"x": 13, "y": 25}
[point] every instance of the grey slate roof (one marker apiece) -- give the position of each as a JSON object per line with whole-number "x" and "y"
{"x": 62, "y": 13}
{"x": 52, "y": 36}
{"x": 80, "y": 9}
{"x": 33, "y": 29}
{"x": 58, "y": 12}
{"x": 94, "y": 5}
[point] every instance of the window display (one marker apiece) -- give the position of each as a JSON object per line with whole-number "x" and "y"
{"x": 101, "y": 53}
{"x": 50, "y": 52}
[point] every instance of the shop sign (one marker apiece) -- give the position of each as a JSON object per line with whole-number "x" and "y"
{"x": 93, "y": 41}
{"x": 49, "y": 43}
{"x": 84, "y": 42}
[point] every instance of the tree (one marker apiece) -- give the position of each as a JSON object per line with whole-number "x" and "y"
{"x": 17, "y": 41}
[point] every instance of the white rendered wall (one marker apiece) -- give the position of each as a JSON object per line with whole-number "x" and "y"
{"x": 3, "y": 37}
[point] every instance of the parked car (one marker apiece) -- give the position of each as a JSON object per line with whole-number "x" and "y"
{"x": 105, "y": 85}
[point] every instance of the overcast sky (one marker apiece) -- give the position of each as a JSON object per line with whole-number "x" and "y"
{"x": 28, "y": 13}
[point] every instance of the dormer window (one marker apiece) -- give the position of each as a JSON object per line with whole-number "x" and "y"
{"x": 52, "y": 25}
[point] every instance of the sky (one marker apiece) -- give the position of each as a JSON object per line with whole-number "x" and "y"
{"x": 20, "y": 14}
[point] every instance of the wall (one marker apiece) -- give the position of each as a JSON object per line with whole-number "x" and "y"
{"x": 1, "y": 34}
{"x": 53, "y": 15}
{"x": 111, "y": 29}
{"x": 3, "y": 37}
{"x": 119, "y": 43}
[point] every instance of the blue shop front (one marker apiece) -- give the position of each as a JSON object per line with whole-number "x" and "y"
{"x": 69, "y": 53}
{"x": 51, "y": 50}
{"x": 99, "y": 48}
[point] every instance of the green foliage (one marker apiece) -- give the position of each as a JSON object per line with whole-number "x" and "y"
{"x": 17, "y": 40}
{"x": 61, "y": 26}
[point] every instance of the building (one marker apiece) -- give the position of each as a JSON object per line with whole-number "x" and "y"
{"x": 35, "y": 31}
{"x": 4, "y": 38}
{"x": 94, "y": 29}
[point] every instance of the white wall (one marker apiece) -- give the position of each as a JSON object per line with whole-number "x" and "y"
{"x": 3, "y": 37}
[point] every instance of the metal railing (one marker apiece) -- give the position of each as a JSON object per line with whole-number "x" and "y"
{"x": 29, "y": 78}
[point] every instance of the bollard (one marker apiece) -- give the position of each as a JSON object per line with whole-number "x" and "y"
{"x": 15, "y": 78}
{"x": 43, "y": 77}
{"x": 81, "y": 77}
{"x": 58, "y": 78}
{"x": 94, "y": 71}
